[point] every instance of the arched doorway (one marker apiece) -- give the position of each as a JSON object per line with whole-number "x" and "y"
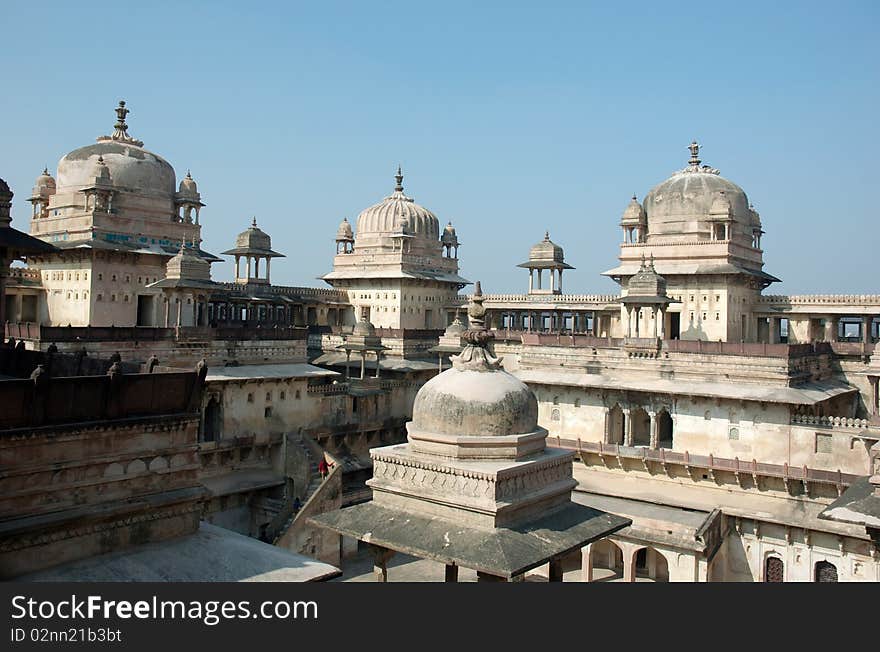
{"x": 211, "y": 429}
{"x": 651, "y": 565}
{"x": 774, "y": 570}
{"x": 607, "y": 561}
{"x": 641, "y": 427}
{"x": 617, "y": 425}
{"x": 825, "y": 571}
{"x": 664, "y": 429}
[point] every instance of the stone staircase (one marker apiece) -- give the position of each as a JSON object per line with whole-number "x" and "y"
{"x": 285, "y": 517}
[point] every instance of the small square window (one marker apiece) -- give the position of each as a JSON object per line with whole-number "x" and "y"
{"x": 297, "y": 393}
{"x": 268, "y": 396}
{"x": 281, "y": 396}
{"x": 267, "y": 412}
{"x": 250, "y": 398}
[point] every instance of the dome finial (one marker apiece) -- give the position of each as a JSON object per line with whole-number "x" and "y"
{"x": 546, "y": 236}
{"x": 254, "y": 222}
{"x": 695, "y": 154}
{"x": 120, "y": 129}
{"x": 399, "y": 178}
{"x": 46, "y": 170}
{"x": 188, "y": 175}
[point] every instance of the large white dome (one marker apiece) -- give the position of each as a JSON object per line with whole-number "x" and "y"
{"x": 387, "y": 216}
{"x": 680, "y": 205}
{"x": 131, "y": 168}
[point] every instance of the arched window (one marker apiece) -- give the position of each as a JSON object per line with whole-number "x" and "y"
{"x": 774, "y": 570}
{"x": 825, "y": 571}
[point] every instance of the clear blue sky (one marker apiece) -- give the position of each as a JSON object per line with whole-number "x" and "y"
{"x": 508, "y": 118}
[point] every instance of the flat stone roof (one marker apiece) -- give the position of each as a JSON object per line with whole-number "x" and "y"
{"x": 504, "y": 552}
{"x": 386, "y": 363}
{"x": 258, "y": 371}
{"x": 859, "y": 505}
{"x": 805, "y": 394}
{"x": 213, "y": 554}
{"x": 675, "y": 526}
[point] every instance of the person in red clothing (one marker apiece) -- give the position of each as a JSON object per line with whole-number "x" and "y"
{"x": 323, "y": 469}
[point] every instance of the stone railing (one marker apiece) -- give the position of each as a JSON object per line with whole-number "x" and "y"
{"x": 543, "y": 298}
{"x": 830, "y": 422}
{"x": 24, "y": 274}
{"x": 736, "y": 466}
{"x": 329, "y": 389}
{"x": 821, "y": 299}
{"x": 289, "y": 290}
{"x": 37, "y": 332}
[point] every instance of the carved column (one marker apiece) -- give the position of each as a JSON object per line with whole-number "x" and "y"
{"x": 654, "y": 434}
{"x": 607, "y": 437}
{"x": 628, "y": 431}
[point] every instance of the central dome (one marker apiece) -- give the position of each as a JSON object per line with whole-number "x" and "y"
{"x": 396, "y": 212}
{"x": 681, "y": 205}
{"x": 131, "y": 168}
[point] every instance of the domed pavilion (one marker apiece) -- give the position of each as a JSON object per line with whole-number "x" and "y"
{"x": 475, "y": 486}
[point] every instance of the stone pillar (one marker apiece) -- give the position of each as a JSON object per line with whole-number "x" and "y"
{"x": 268, "y": 260}
{"x": 378, "y": 357}
{"x": 347, "y": 361}
{"x": 661, "y": 324}
{"x": 629, "y": 321}
{"x": 451, "y": 573}
{"x": 637, "y": 313}
{"x": 363, "y": 364}
{"x": 586, "y": 563}
{"x": 607, "y": 431}
{"x": 179, "y": 311}
{"x": 866, "y": 329}
{"x": 555, "y": 573}
{"x": 237, "y": 272}
{"x": 531, "y": 279}
{"x": 655, "y": 438}
{"x": 167, "y": 310}
{"x": 835, "y": 329}
{"x": 629, "y": 566}
{"x": 560, "y": 281}
{"x": 16, "y": 310}
{"x": 628, "y": 432}
{"x": 381, "y": 556}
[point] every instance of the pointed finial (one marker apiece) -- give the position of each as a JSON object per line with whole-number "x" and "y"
{"x": 188, "y": 175}
{"x": 120, "y": 129}
{"x": 546, "y": 236}
{"x": 254, "y": 222}
{"x": 643, "y": 261}
{"x": 399, "y": 178}
{"x": 46, "y": 170}
{"x": 695, "y": 154}
{"x": 635, "y": 198}
{"x": 652, "y": 260}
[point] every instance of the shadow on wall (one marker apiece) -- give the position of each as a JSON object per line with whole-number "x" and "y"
{"x": 694, "y": 331}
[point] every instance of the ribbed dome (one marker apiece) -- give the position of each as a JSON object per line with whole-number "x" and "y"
{"x": 546, "y": 250}
{"x": 131, "y": 168}
{"x": 681, "y": 204}
{"x": 386, "y": 216}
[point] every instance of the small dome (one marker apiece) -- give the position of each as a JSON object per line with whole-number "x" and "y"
{"x": 387, "y": 216}
{"x": 253, "y": 238}
{"x": 101, "y": 171}
{"x": 634, "y": 213}
{"x": 188, "y": 185}
{"x": 45, "y": 181}
{"x": 546, "y": 250}
{"x": 449, "y": 235}
{"x": 364, "y": 329}
{"x": 472, "y": 403}
{"x": 646, "y": 282}
{"x": 455, "y": 329}
{"x": 344, "y": 231}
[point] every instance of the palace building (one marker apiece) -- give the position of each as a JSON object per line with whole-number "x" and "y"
{"x": 729, "y": 427}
